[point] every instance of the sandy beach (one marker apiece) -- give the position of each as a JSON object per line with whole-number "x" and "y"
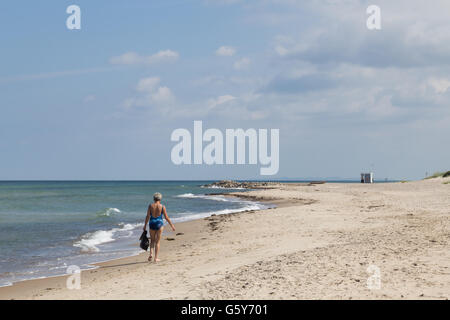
{"x": 317, "y": 244}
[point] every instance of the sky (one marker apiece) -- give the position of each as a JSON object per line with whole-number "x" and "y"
{"x": 101, "y": 103}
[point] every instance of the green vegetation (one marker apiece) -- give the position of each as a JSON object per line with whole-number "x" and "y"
{"x": 444, "y": 174}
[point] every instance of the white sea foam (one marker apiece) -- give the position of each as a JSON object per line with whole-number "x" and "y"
{"x": 90, "y": 241}
{"x": 108, "y": 212}
{"x": 186, "y": 195}
{"x": 205, "y": 196}
{"x": 249, "y": 206}
{"x": 127, "y": 226}
{"x": 6, "y": 284}
{"x": 126, "y": 230}
{"x": 245, "y": 206}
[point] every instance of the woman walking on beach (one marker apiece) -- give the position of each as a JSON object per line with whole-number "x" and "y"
{"x": 155, "y": 214}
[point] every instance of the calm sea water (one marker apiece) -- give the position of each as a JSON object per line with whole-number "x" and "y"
{"x": 47, "y": 226}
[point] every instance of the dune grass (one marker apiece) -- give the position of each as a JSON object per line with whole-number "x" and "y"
{"x": 443, "y": 174}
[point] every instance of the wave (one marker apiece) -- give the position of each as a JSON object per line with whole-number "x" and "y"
{"x": 186, "y": 195}
{"x": 244, "y": 205}
{"x": 108, "y": 212}
{"x": 6, "y": 284}
{"x": 205, "y": 196}
{"x": 250, "y": 206}
{"x": 90, "y": 241}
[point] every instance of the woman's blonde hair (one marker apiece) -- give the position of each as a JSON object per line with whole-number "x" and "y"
{"x": 157, "y": 196}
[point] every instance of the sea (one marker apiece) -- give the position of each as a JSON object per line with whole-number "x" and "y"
{"x": 48, "y": 226}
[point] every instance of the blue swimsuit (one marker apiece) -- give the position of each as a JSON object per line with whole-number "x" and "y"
{"x": 156, "y": 223}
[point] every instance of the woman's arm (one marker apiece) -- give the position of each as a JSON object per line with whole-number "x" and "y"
{"x": 167, "y": 218}
{"x": 147, "y": 218}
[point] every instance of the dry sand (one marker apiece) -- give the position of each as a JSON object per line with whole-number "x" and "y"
{"x": 317, "y": 244}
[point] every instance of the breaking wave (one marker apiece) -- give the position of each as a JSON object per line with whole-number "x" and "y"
{"x": 205, "y": 196}
{"x": 108, "y": 212}
{"x": 89, "y": 242}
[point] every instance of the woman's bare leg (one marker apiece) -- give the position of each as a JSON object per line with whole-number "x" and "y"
{"x": 157, "y": 242}
{"x": 152, "y": 242}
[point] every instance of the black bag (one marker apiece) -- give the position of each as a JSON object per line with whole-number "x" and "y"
{"x": 144, "y": 241}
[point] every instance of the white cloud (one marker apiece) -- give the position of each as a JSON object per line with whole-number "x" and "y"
{"x": 212, "y": 103}
{"x": 129, "y": 103}
{"x": 338, "y": 73}
{"x": 147, "y": 84}
{"x": 126, "y": 58}
{"x": 409, "y": 38}
{"x": 225, "y": 51}
{"x": 439, "y": 85}
{"x": 132, "y": 58}
{"x": 161, "y": 55}
{"x": 242, "y": 64}
{"x": 162, "y": 95}
{"x": 282, "y": 51}
{"x": 151, "y": 95}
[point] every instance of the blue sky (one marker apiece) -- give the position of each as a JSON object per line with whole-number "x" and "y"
{"x": 101, "y": 102}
